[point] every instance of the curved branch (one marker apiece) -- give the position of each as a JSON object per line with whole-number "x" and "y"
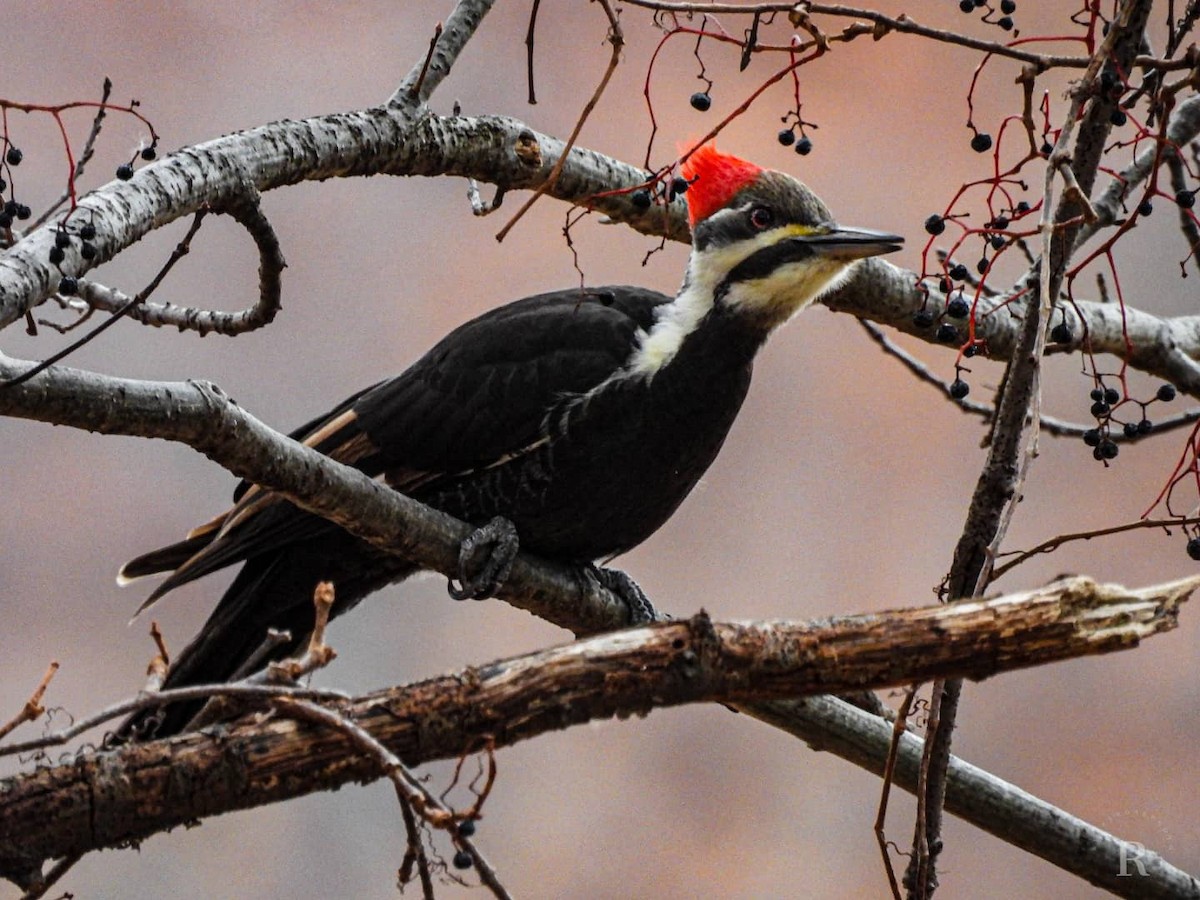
{"x": 247, "y": 212}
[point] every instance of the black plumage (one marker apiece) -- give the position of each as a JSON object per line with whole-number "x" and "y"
{"x": 582, "y": 417}
{"x": 514, "y": 414}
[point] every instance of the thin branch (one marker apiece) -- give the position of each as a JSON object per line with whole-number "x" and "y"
{"x": 425, "y": 77}
{"x": 33, "y": 709}
{"x": 180, "y": 251}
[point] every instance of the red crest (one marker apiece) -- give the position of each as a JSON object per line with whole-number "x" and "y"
{"x": 715, "y": 178}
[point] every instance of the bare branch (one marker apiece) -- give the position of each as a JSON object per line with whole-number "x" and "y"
{"x": 120, "y": 796}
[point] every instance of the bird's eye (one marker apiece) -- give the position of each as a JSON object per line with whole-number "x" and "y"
{"x": 761, "y": 218}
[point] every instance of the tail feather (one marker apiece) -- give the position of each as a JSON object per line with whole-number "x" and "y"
{"x": 164, "y": 559}
{"x": 272, "y": 591}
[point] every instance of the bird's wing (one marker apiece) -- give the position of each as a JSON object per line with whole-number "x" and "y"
{"x": 482, "y": 393}
{"x": 478, "y": 397}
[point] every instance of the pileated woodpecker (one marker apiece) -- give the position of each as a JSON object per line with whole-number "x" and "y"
{"x": 583, "y": 419}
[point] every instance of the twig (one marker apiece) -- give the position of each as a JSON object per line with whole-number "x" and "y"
{"x": 899, "y": 727}
{"x": 85, "y": 157}
{"x": 617, "y": 39}
{"x": 33, "y": 709}
{"x": 415, "y": 91}
{"x": 1052, "y": 544}
{"x": 181, "y": 250}
{"x": 161, "y": 698}
{"x": 156, "y": 671}
{"x": 52, "y": 877}
{"x": 409, "y": 789}
{"x": 529, "y": 38}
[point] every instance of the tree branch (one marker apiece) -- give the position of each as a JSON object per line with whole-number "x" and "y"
{"x": 112, "y": 798}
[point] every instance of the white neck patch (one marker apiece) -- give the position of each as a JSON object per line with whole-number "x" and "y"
{"x": 775, "y": 298}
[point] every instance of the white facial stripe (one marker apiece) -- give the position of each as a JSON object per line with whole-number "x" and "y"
{"x": 706, "y": 270}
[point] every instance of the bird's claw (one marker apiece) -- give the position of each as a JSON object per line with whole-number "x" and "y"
{"x": 641, "y": 610}
{"x": 497, "y": 541}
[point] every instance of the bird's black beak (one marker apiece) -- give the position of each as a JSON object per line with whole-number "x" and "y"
{"x": 851, "y": 243}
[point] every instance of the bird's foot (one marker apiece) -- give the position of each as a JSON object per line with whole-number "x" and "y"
{"x": 641, "y": 610}
{"x": 497, "y": 544}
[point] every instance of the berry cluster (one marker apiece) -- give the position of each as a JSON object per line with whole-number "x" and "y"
{"x": 1003, "y": 22}
{"x": 149, "y": 154}
{"x": 11, "y": 210}
{"x": 1105, "y": 402}
{"x": 644, "y": 197}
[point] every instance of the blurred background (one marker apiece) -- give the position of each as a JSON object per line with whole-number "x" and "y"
{"x": 842, "y": 488}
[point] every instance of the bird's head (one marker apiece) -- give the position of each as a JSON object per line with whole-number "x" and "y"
{"x": 763, "y": 243}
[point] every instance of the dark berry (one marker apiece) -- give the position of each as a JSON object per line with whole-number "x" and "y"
{"x": 1022, "y": 207}
{"x": 997, "y": 241}
{"x": 1130, "y": 429}
{"x": 1047, "y": 148}
{"x": 787, "y": 137}
{"x": 804, "y": 146}
{"x": 640, "y": 198}
{"x": 1100, "y": 408}
{"x": 1108, "y": 450}
{"x": 148, "y": 153}
{"x": 1091, "y": 437}
{"x": 87, "y": 251}
{"x": 1097, "y": 394}
{"x": 678, "y": 186}
{"x": 23, "y": 212}
{"x": 935, "y": 224}
{"x": 1061, "y": 333}
{"x": 1186, "y": 199}
{"x": 982, "y": 142}
{"x": 1112, "y": 396}
{"x": 945, "y": 284}
{"x": 1166, "y": 393}
{"x": 1008, "y": 7}
{"x": 701, "y": 101}
{"x": 959, "y": 389}
{"x": 5, "y": 220}
{"x": 10, "y": 207}
{"x": 1145, "y": 426}
{"x": 1145, "y": 208}
{"x": 999, "y": 223}
{"x": 1005, "y": 23}
{"x": 958, "y": 308}
{"x": 1096, "y": 454}
{"x": 3, "y": 185}
{"x": 467, "y": 827}
{"x": 1118, "y": 117}
{"x": 57, "y": 255}
{"x": 922, "y": 318}
{"x": 62, "y": 239}
{"x": 970, "y": 350}
{"x": 125, "y": 171}
{"x": 947, "y": 333}
{"x": 68, "y": 286}
{"x": 462, "y": 860}
{"x": 87, "y": 231}
{"x": 14, "y": 156}
{"x": 958, "y": 272}
{"x": 967, "y": 6}
{"x": 1193, "y": 548}
{"x": 982, "y": 265}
